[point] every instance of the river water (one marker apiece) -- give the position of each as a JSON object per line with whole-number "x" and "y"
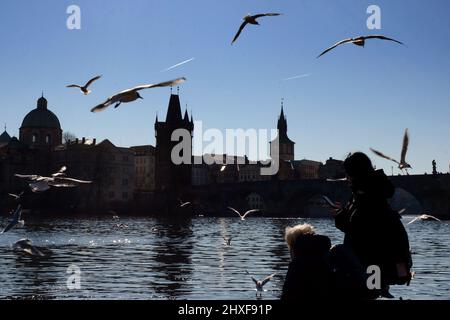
{"x": 157, "y": 259}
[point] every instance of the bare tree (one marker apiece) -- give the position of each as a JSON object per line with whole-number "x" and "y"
{"x": 68, "y": 136}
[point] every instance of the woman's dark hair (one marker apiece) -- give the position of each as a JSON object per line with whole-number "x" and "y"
{"x": 358, "y": 165}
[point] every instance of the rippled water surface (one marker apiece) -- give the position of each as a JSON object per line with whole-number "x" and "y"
{"x": 156, "y": 259}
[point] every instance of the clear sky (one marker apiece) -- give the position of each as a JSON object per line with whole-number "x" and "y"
{"x": 354, "y": 99}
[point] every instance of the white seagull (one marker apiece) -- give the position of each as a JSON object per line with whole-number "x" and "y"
{"x": 26, "y": 246}
{"x": 249, "y": 19}
{"x": 183, "y": 204}
{"x": 16, "y": 220}
{"x": 424, "y": 217}
{"x": 59, "y": 180}
{"x": 261, "y": 283}
{"x": 245, "y": 214}
{"x": 84, "y": 88}
{"x": 132, "y": 94}
{"x": 402, "y": 165}
{"x": 359, "y": 41}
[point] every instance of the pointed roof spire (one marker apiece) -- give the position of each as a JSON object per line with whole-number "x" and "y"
{"x": 156, "y": 121}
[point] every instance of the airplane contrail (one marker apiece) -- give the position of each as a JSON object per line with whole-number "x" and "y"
{"x": 297, "y": 77}
{"x": 178, "y": 64}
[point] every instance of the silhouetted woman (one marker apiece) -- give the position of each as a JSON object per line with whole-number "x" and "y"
{"x": 374, "y": 233}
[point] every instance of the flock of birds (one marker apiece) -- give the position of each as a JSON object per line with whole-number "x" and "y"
{"x": 38, "y": 184}
{"x": 60, "y": 180}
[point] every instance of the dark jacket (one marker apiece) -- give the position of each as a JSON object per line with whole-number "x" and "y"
{"x": 372, "y": 229}
{"x": 309, "y": 275}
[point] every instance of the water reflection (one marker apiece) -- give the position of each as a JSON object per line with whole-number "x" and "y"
{"x": 166, "y": 259}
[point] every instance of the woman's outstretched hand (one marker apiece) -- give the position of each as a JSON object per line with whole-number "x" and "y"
{"x": 335, "y": 210}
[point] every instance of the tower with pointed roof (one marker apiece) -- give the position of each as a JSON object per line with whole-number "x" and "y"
{"x": 169, "y": 176}
{"x": 286, "y": 150}
{"x": 40, "y": 127}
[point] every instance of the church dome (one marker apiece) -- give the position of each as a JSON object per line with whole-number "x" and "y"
{"x": 41, "y": 117}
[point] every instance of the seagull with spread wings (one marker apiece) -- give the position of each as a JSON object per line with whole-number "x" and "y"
{"x": 402, "y": 164}
{"x": 132, "y": 94}
{"x": 249, "y": 19}
{"x": 359, "y": 41}
{"x": 84, "y": 88}
{"x": 243, "y": 216}
{"x": 59, "y": 180}
{"x": 424, "y": 217}
{"x": 261, "y": 283}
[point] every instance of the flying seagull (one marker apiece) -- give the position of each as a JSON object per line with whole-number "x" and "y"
{"x": 26, "y": 246}
{"x": 41, "y": 184}
{"x": 424, "y": 217}
{"x": 227, "y": 241}
{"x": 84, "y": 88}
{"x": 132, "y": 94}
{"x": 402, "y": 165}
{"x": 261, "y": 283}
{"x": 183, "y": 204}
{"x": 15, "y": 220}
{"x": 249, "y": 19}
{"x": 359, "y": 41}
{"x": 245, "y": 214}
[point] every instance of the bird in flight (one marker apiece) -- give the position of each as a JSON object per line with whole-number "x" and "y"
{"x": 84, "y": 88}
{"x": 227, "y": 241}
{"x": 59, "y": 180}
{"x": 359, "y": 41}
{"x": 424, "y": 217}
{"x": 15, "y": 220}
{"x": 183, "y": 204}
{"x": 402, "y": 164}
{"x": 249, "y": 19}
{"x": 132, "y": 94}
{"x": 243, "y": 216}
{"x": 261, "y": 283}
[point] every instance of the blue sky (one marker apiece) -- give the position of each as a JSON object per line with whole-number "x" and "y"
{"x": 354, "y": 99}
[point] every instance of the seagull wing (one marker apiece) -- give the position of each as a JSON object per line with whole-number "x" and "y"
{"x": 232, "y": 209}
{"x": 92, "y": 81}
{"x": 73, "y": 86}
{"x": 404, "y": 147}
{"x": 335, "y": 45}
{"x": 382, "y": 38}
{"x": 256, "y": 16}
{"x": 382, "y": 155}
{"x": 29, "y": 177}
{"x": 107, "y": 103}
{"x": 15, "y": 196}
{"x": 185, "y": 204}
{"x": 414, "y": 220}
{"x": 170, "y": 83}
{"x": 15, "y": 219}
{"x": 250, "y": 211}
{"x": 239, "y": 31}
{"x": 74, "y": 180}
{"x": 267, "y": 279}
{"x": 426, "y": 216}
